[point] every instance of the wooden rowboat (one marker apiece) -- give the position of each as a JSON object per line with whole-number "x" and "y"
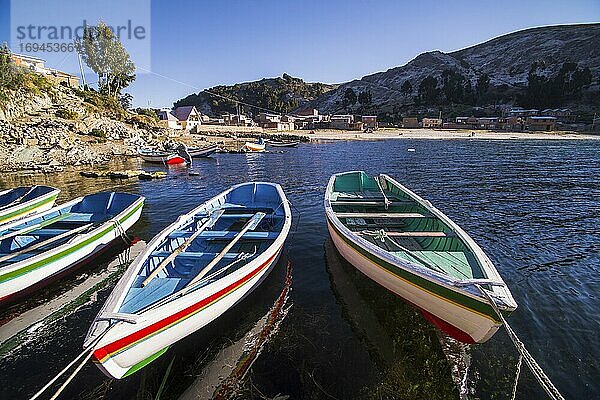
{"x": 199, "y": 152}
{"x": 408, "y": 246}
{"x": 191, "y": 273}
{"x": 160, "y": 157}
{"x": 45, "y": 246}
{"x": 276, "y": 143}
{"x": 255, "y": 147}
{"x": 22, "y": 201}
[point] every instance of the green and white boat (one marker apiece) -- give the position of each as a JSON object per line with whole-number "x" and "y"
{"x": 25, "y": 200}
{"x": 46, "y": 246}
{"x": 408, "y": 246}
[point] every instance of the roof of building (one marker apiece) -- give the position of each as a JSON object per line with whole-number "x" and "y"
{"x": 166, "y": 115}
{"x": 183, "y": 113}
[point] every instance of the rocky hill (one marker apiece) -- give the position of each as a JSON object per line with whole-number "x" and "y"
{"x": 540, "y": 67}
{"x": 52, "y": 127}
{"x": 282, "y": 95}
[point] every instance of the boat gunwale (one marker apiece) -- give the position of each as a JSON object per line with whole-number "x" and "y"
{"x": 448, "y": 281}
{"x": 53, "y": 193}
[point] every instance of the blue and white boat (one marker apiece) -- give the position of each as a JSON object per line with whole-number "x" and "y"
{"x": 46, "y": 246}
{"x": 190, "y": 273}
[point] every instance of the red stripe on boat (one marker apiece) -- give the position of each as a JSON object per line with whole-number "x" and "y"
{"x": 113, "y": 347}
{"x": 447, "y": 328}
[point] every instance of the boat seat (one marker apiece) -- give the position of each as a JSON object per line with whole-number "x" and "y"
{"x": 379, "y": 215}
{"x": 221, "y": 235}
{"x": 369, "y": 202}
{"x": 418, "y": 234}
{"x": 187, "y": 254}
{"x": 225, "y": 235}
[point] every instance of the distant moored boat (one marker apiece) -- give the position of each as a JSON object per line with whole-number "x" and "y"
{"x": 161, "y": 157}
{"x": 408, "y": 246}
{"x": 199, "y": 152}
{"x": 277, "y": 143}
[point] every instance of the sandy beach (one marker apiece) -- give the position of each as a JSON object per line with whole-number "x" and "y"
{"x": 444, "y": 134}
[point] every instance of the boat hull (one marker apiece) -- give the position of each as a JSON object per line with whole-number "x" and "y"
{"x": 126, "y": 348}
{"x": 201, "y": 153}
{"x": 255, "y": 147}
{"x": 456, "y": 319}
{"x": 172, "y": 159}
{"x": 40, "y": 204}
{"x": 45, "y": 267}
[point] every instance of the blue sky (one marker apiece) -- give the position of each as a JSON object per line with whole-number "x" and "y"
{"x": 199, "y": 44}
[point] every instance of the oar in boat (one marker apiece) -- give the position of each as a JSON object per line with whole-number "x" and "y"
{"x": 212, "y": 220}
{"x": 45, "y": 242}
{"x": 250, "y": 225}
{"x": 34, "y": 227}
{"x": 18, "y": 199}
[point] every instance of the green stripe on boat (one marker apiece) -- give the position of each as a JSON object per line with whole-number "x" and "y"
{"x": 421, "y": 282}
{"x": 145, "y": 362}
{"x": 28, "y": 208}
{"x": 28, "y": 268}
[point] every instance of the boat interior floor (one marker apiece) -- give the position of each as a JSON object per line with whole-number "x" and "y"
{"x": 407, "y": 230}
{"x": 200, "y": 252}
{"x": 27, "y": 240}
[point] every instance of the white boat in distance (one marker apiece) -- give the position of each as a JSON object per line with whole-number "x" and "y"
{"x": 192, "y": 272}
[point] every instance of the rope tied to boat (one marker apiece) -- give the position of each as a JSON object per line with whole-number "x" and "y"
{"x": 121, "y": 231}
{"x": 537, "y": 371}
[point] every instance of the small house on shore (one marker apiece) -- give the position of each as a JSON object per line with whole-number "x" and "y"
{"x": 39, "y": 66}
{"x": 541, "y": 123}
{"x": 180, "y": 118}
{"x": 370, "y": 122}
{"x": 432, "y": 122}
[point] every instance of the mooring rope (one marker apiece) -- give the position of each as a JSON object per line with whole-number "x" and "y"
{"x": 537, "y": 371}
{"x": 87, "y": 351}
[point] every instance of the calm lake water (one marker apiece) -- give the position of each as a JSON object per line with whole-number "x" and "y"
{"x": 533, "y": 206}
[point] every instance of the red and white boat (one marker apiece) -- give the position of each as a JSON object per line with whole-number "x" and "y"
{"x": 192, "y": 272}
{"x": 161, "y": 157}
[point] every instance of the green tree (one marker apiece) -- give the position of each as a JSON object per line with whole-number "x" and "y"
{"x": 453, "y": 86}
{"x": 104, "y": 53}
{"x": 365, "y": 97}
{"x": 483, "y": 85}
{"x": 428, "y": 90}
{"x": 350, "y": 97}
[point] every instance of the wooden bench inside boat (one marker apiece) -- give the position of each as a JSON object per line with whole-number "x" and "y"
{"x": 379, "y": 215}
{"x": 222, "y": 235}
{"x": 193, "y": 255}
{"x": 417, "y": 234}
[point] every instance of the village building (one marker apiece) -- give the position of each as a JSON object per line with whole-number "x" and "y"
{"x": 541, "y": 123}
{"x": 38, "y": 65}
{"x": 410, "y": 122}
{"x": 180, "y": 118}
{"x": 432, "y": 122}
{"x": 278, "y": 126}
{"x": 370, "y": 122}
{"x": 343, "y": 122}
{"x": 167, "y": 119}
{"x": 236, "y": 120}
